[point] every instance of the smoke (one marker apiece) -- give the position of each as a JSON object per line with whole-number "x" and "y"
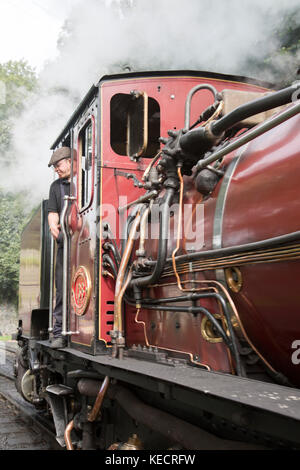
{"x": 102, "y": 37}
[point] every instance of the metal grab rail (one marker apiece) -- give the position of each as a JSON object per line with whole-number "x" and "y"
{"x": 50, "y": 329}
{"x": 65, "y": 266}
{"x": 191, "y": 93}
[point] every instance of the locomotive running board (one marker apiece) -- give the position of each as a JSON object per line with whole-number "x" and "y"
{"x": 262, "y": 407}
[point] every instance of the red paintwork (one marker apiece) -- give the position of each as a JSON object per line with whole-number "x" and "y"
{"x": 262, "y": 201}
{"x": 171, "y": 94}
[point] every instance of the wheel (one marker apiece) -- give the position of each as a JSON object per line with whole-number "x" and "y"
{"x": 24, "y": 379}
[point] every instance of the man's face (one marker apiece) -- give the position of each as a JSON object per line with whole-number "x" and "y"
{"x": 63, "y": 168}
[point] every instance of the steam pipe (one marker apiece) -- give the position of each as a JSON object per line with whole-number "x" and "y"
{"x": 257, "y": 106}
{"x": 177, "y": 430}
{"x": 127, "y": 224}
{"x": 107, "y": 259}
{"x": 143, "y": 229}
{"x": 98, "y": 403}
{"x": 163, "y": 243}
{"x": 237, "y": 249}
{"x": 67, "y": 435}
{"x": 122, "y": 271}
{"x": 245, "y": 138}
{"x": 115, "y": 252}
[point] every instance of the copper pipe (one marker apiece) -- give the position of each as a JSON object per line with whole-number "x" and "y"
{"x": 92, "y": 416}
{"x": 239, "y": 261}
{"x": 179, "y": 226}
{"x": 119, "y": 299}
{"x": 143, "y": 228}
{"x": 270, "y": 256}
{"x": 211, "y": 267}
{"x": 272, "y": 251}
{"x": 108, "y": 274}
{"x": 148, "y": 169}
{"x": 67, "y": 435}
{"x": 191, "y": 356}
{"x": 121, "y": 273}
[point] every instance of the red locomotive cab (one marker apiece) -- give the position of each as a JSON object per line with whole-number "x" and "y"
{"x": 181, "y": 261}
{"x": 117, "y": 141}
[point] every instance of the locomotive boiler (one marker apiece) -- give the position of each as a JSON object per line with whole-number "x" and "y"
{"x": 181, "y": 269}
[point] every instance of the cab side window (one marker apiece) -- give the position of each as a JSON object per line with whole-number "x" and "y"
{"x": 134, "y": 124}
{"x": 86, "y": 156}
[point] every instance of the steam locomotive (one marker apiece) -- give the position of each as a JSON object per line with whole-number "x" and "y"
{"x": 181, "y": 269}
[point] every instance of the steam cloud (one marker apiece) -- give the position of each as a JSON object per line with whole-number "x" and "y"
{"x": 102, "y": 37}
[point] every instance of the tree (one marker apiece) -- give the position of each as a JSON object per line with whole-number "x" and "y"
{"x": 281, "y": 65}
{"x": 18, "y": 80}
{"x": 12, "y": 219}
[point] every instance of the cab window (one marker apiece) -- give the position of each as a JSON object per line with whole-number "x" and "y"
{"x": 86, "y": 157}
{"x": 134, "y": 125}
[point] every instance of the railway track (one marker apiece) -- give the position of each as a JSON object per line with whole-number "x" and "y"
{"x": 22, "y": 427}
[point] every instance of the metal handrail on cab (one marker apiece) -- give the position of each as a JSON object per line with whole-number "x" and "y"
{"x": 50, "y": 329}
{"x": 65, "y": 266}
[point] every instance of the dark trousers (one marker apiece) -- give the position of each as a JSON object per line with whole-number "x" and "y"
{"x": 57, "y": 312}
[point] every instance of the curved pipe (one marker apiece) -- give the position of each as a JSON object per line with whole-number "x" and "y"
{"x": 143, "y": 231}
{"x": 122, "y": 271}
{"x": 98, "y": 403}
{"x": 163, "y": 243}
{"x": 119, "y": 299}
{"x": 67, "y": 435}
{"x": 110, "y": 246}
{"x": 189, "y": 100}
{"x": 107, "y": 259}
{"x": 126, "y": 227}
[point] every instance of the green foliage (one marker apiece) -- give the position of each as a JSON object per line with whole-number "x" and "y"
{"x": 281, "y": 65}
{"x": 19, "y": 81}
{"x": 12, "y": 220}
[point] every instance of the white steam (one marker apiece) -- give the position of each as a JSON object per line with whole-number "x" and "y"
{"x": 103, "y": 37}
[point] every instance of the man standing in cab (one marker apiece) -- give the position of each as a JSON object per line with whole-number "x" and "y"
{"x": 61, "y": 162}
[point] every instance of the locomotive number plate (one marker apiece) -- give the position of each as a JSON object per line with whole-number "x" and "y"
{"x": 81, "y": 290}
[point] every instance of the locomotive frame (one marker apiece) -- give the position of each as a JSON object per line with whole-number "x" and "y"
{"x": 163, "y": 376}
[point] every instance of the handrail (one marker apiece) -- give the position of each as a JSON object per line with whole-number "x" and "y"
{"x": 50, "y": 329}
{"x": 65, "y": 266}
{"x": 191, "y": 93}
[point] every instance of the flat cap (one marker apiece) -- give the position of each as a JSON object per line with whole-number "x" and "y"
{"x": 59, "y": 154}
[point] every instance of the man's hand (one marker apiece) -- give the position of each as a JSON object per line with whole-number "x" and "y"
{"x": 53, "y": 220}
